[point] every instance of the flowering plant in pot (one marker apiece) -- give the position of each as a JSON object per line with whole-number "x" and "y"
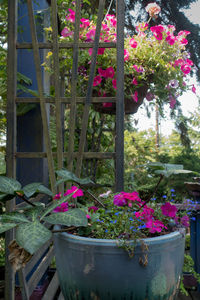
{"x": 102, "y": 234}
{"x": 156, "y": 62}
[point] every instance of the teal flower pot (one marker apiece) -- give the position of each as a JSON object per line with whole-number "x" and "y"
{"x": 91, "y": 268}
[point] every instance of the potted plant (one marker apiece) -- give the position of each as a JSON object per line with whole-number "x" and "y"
{"x": 156, "y": 62}
{"x": 119, "y": 247}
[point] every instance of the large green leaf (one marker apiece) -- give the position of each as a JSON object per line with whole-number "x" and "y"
{"x": 72, "y": 217}
{"x": 69, "y": 176}
{"x": 36, "y": 187}
{"x": 6, "y": 226}
{"x": 9, "y": 185}
{"x": 34, "y": 212}
{"x": 31, "y": 236}
{"x": 167, "y": 169}
{"x": 54, "y": 204}
{"x": 14, "y": 217}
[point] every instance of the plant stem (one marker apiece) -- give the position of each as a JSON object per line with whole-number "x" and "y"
{"x": 155, "y": 190}
{"x": 25, "y": 200}
{"x": 95, "y": 199}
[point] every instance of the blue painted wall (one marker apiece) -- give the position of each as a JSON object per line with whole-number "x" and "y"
{"x": 29, "y": 126}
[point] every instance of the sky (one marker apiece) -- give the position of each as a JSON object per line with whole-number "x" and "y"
{"x": 189, "y": 100}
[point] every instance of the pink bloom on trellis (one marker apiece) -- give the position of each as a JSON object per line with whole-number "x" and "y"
{"x": 97, "y": 80}
{"x": 78, "y": 193}
{"x": 101, "y": 51}
{"x": 189, "y": 62}
{"x": 183, "y": 32}
{"x": 194, "y": 89}
{"x": 172, "y": 101}
{"x": 153, "y": 9}
{"x": 133, "y": 43}
{"x": 85, "y": 23}
{"x": 110, "y": 72}
{"x": 171, "y": 39}
{"x": 169, "y": 210}
{"x": 65, "y": 32}
{"x": 134, "y": 81}
{"x": 185, "y": 69}
{"x": 139, "y": 69}
{"x": 91, "y": 34}
{"x": 184, "y": 42}
{"x": 114, "y": 83}
{"x": 62, "y": 207}
{"x": 105, "y": 27}
{"x": 135, "y": 96}
{"x": 178, "y": 62}
{"x": 157, "y": 31}
{"x": 126, "y": 55}
{"x": 171, "y": 28}
{"x": 112, "y": 19}
{"x": 149, "y": 96}
{"x": 88, "y": 216}
{"x": 90, "y": 51}
{"x": 102, "y": 72}
{"x": 71, "y": 16}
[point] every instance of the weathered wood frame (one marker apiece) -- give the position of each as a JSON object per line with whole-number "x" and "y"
{"x": 13, "y": 100}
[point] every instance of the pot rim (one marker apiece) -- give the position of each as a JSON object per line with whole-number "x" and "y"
{"x": 110, "y": 242}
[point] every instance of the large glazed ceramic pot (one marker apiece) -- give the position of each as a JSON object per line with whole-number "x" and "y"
{"x": 98, "y": 269}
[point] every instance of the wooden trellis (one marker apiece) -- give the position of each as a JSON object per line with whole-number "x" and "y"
{"x": 58, "y": 100}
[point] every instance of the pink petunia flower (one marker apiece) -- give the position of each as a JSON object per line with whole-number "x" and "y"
{"x": 65, "y": 32}
{"x": 139, "y": 69}
{"x": 135, "y": 96}
{"x": 114, "y": 83}
{"x": 110, "y": 72}
{"x": 97, "y": 80}
{"x": 194, "y": 89}
{"x": 107, "y": 104}
{"x": 78, "y": 193}
{"x": 126, "y": 55}
{"x": 134, "y": 81}
{"x": 85, "y": 23}
{"x": 133, "y": 43}
{"x": 102, "y": 72}
{"x": 71, "y": 16}
{"x": 185, "y": 69}
{"x": 169, "y": 210}
{"x": 171, "y": 39}
{"x": 57, "y": 196}
{"x": 93, "y": 208}
{"x": 91, "y": 34}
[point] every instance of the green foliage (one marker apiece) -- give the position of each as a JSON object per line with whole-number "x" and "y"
{"x": 2, "y": 251}
{"x": 74, "y": 217}
{"x": 35, "y": 188}
{"x": 31, "y": 236}
{"x": 9, "y": 185}
{"x": 69, "y": 176}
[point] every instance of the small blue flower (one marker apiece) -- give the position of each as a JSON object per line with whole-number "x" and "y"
{"x": 142, "y": 226}
{"x": 131, "y": 219}
{"x": 106, "y": 230}
{"x": 164, "y": 196}
{"x": 111, "y": 221}
{"x": 193, "y": 218}
{"x": 172, "y": 190}
{"x": 117, "y": 214}
{"x": 173, "y": 195}
{"x": 172, "y": 200}
{"x": 153, "y": 199}
{"x": 115, "y": 221}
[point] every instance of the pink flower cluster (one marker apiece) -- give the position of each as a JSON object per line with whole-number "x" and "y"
{"x": 146, "y": 214}
{"x": 65, "y": 206}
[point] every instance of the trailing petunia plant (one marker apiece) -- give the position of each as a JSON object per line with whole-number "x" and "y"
{"x": 157, "y": 63}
